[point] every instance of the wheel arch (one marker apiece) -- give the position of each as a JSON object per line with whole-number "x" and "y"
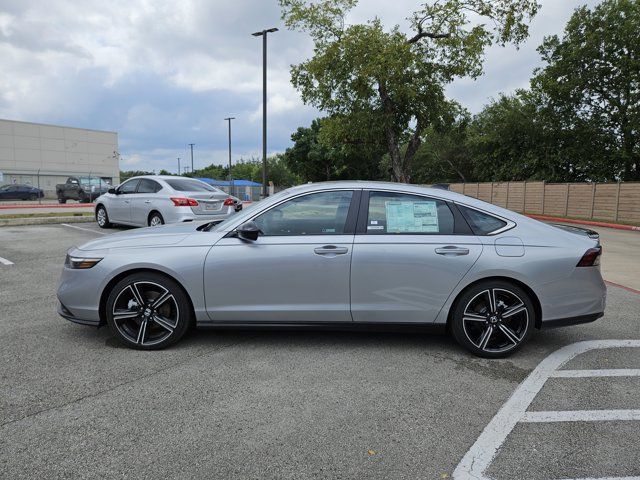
{"x": 102, "y": 307}
{"x": 151, "y": 212}
{"x": 532, "y": 295}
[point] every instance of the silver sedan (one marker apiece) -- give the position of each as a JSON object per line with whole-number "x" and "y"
{"x": 154, "y": 200}
{"x": 359, "y": 254}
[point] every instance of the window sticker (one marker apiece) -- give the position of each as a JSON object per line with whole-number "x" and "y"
{"x": 412, "y": 217}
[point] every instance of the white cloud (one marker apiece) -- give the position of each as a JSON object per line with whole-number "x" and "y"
{"x": 164, "y": 73}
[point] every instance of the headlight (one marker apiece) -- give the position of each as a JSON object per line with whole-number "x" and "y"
{"x": 79, "y": 263}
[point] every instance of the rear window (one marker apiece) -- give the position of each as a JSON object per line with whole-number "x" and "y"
{"x": 188, "y": 185}
{"x": 481, "y": 223}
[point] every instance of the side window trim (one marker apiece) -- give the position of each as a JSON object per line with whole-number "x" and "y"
{"x": 352, "y": 214}
{"x": 461, "y": 227}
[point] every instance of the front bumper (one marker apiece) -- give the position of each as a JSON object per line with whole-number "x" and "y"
{"x": 65, "y": 313}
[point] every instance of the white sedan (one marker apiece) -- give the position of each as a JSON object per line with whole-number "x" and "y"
{"x": 154, "y": 200}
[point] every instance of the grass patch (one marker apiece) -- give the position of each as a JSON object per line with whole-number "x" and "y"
{"x": 45, "y": 214}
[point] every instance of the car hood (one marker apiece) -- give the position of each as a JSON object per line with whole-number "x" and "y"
{"x": 144, "y": 237}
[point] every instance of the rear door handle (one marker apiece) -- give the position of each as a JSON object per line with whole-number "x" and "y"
{"x": 147, "y": 201}
{"x": 331, "y": 250}
{"x": 452, "y": 250}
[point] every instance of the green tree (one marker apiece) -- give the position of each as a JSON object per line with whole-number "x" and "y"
{"x": 590, "y": 90}
{"x": 385, "y": 86}
{"x": 126, "y": 174}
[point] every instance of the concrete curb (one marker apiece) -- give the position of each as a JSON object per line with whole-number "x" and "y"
{"x": 14, "y": 222}
{"x": 592, "y": 223}
{"x": 52, "y": 205}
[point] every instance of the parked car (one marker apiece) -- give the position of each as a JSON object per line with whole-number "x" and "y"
{"x": 154, "y": 200}
{"x": 20, "y": 192}
{"x": 359, "y": 254}
{"x": 83, "y": 189}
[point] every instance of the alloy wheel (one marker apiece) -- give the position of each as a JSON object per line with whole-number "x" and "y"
{"x": 101, "y": 217}
{"x": 155, "y": 221}
{"x": 145, "y": 313}
{"x": 495, "y": 320}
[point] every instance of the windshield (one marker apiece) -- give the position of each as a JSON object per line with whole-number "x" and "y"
{"x": 189, "y": 185}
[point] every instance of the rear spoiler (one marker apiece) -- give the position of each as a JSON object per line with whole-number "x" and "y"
{"x": 578, "y": 230}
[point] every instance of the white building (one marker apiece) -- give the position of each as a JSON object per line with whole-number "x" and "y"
{"x": 44, "y": 155}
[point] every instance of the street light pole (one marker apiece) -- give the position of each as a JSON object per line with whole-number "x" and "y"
{"x": 228, "y": 119}
{"x": 263, "y": 34}
{"x": 178, "y": 165}
{"x": 191, "y": 145}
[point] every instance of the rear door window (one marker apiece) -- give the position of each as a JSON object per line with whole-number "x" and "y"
{"x": 148, "y": 186}
{"x": 397, "y": 213}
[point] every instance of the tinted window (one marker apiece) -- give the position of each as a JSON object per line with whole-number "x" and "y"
{"x": 391, "y": 213}
{"x": 148, "y": 186}
{"x": 189, "y": 185}
{"x": 129, "y": 186}
{"x": 481, "y": 223}
{"x": 323, "y": 213}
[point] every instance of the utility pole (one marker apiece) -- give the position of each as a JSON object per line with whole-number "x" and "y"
{"x": 191, "y": 145}
{"x": 263, "y": 34}
{"x": 228, "y": 119}
{"x": 179, "y": 166}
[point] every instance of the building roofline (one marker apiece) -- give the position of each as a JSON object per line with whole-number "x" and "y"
{"x": 59, "y": 126}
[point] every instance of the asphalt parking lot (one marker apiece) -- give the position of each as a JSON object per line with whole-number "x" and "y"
{"x": 297, "y": 405}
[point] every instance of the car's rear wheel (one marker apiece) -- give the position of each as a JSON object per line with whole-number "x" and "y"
{"x": 493, "y": 319}
{"x": 102, "y": 217}
{"x": 84, "y": 198}
{"x": 155, "y": 219}
{"x": 148, "y": 311}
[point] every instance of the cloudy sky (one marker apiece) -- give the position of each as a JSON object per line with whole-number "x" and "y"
{"x": 164, "y": 74}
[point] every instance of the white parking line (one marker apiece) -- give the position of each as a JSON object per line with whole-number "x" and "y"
{"x": 4, "y": 261}
{"x": 613, "y": 372}
{"x": 481, "y": 454}
{"x": 581, "y": 416}
{"x": 85, "y": 229}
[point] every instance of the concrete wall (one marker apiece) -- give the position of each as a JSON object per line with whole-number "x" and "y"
{"x": 57, "y": 152}
{"x": 597, "y": 201}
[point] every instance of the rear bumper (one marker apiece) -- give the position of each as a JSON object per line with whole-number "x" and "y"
{"x": 565, "y": 322}
{"x": 185, "y": 214}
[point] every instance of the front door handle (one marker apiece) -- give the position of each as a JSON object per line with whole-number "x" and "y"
{"x": 331, "y": 250}
{"x": 147, "y": 201}
{"x": 452, "y": 250}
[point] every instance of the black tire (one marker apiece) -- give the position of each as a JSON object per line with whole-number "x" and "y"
{"x": 102, "y": 217}
{"x": 493, "y": 332}
{"x": 155, "y": 219}
{"x": 62, "y": 200}
{"x": 152, "y": 328}
{"x": 83, "y": 198}
{"x": 33, "y": 196}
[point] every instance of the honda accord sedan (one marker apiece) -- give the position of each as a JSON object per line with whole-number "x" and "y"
{"x": 154, "y": 200}
{"x": 356, "y": 254}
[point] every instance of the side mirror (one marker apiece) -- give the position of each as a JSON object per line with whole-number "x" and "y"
{"x": 113, "y": 191}
{"x": 248, "y": 231}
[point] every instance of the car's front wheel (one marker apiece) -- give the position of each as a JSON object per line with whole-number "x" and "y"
{"x": 148, "y": 311}
{"x": 493, "y": 319}
{"x": 102, "y": 217}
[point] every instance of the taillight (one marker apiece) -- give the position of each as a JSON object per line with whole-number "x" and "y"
{"x": 184, "y": 202}
{"x": 228, "y": 202}
{"x": 590, "y": 258}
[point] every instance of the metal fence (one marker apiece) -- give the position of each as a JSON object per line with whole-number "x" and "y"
{"x": 597, "y": 201}
{"x": 47, "y": 180}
